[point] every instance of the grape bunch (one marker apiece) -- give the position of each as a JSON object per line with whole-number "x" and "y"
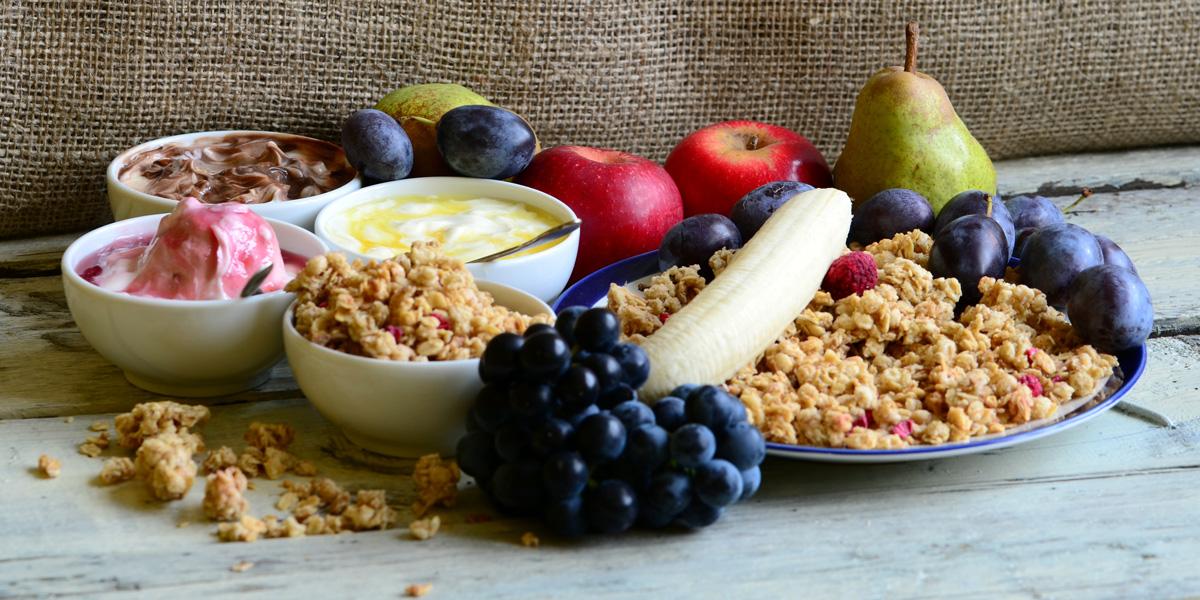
{"x": 558, "y": 431}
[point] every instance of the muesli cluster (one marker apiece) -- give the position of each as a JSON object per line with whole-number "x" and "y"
{"x": 892, "y": 367}
{"x": 420, "y": 306}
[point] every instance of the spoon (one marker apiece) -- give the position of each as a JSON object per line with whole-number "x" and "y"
{"x": 546, "y": 236}
{"x": 254, "y": 284}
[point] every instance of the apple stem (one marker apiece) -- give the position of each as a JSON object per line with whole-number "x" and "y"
{"x": 752, "y": 143}
{"x": 407, "y": 118}
{"x": 910, "y": 50}
{"x": 1086, "y": 193}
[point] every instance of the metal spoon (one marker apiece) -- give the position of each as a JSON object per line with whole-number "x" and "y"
{"x": 546, "y": 237}
{"x": 254, "y": 284}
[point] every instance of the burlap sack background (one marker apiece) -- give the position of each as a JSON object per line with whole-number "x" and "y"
{"x": 81, "y": 81}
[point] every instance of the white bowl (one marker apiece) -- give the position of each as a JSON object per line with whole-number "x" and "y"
{"x": 190, "y": 348}
{"x": 127, "y": 202}
{"x": 406, "y": 409}
{"x": 543, "y": 274}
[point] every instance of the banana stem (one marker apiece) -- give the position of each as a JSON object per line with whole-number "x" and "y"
{"x": 1086, "y": 193}
{"x": 910, "y": 49}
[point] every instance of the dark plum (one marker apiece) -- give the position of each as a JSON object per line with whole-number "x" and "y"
{"x": 1032, "y": 212}
{"x": 1055, "y": 255}
{"x": 483, "y": 141}
{"x": 693, "y": 241}
{"x": 890, "y": 212}
{"x": 975, "y": 202}
{"x": 749, "y": 213}
{"x": 1110, "y": 308}
{"x": 1114, "y": 255}
{"x": 1022, "y": 242}
{"x": 377, "y": 146}
{"x": 967, "y": 249}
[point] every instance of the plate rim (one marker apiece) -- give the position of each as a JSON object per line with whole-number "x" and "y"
{"x": 1132, "y": 363}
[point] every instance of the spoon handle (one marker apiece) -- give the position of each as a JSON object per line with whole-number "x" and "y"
{"x": 546, "y": 237}
{"x": 254, "y": 284}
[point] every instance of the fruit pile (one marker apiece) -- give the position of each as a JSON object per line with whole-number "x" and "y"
{"x": 558, "y": 430}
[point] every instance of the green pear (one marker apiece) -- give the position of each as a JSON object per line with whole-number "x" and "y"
{"x": 905, "y": 134}
{"x": 417, "y": 108}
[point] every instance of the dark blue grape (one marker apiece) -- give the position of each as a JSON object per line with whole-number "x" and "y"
{"x": 473, "y": 421}
{"x": 501, "y": 359}
{"x": 518, "y": 484}
{"x": 667, "y": 494}
{"x": 606, "y": 369}
{"x": 491, "y": 407}
{"x": 635, "y": 364}
{"x": 476, "y": 455}
{"x": 743, "y": 445}
{"x": 531, "y": 402}
{"x": 633, "y": 414}
{"x": 545, "y": 356}
{"x": 611, "y": 506}
{"x": 669, "y": 413}
{"x": 626, "y": 470}
{"x": 577, "y": 389}
{"x": 1114, "y": 255}
{"x": 377, "y": 146}
{"x": 566, "y": 517}
{"x": 537, "y": 328}
{"x": 647, "y": 447}
{"x": 597, "y": 330}
{"x": 692, "y": 445}
{"x": 749, "y": 213}
{"x": 564, "y": 475}
{"x": 551, "y": 436}
{"x": 1110, "y": 308}
{"x": 968, "y": 249}
{"x": 751, "y": 480}
{"x": 888, "y": 213}
{"x": 1055, "y": 255}
{"x": 484, "y": 141}
{"x": 512, "y": 442}
{"x": 1032, "y": 212}
{"x": 714, "y": 408}
{"x": 974, "y": 202}
{"x": 695, "y": 239}
{"x": 616, "y": 396}
{"x": 565, "y": 322}
{"x": 699, "y": 514}
{"x": 683, "y": 390}
{"x": 600, "y": 438}
{"x": 575, "y": 418}
{"x": 718, "y": 483}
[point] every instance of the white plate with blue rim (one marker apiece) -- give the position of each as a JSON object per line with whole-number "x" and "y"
{"x": 631, "y": 272}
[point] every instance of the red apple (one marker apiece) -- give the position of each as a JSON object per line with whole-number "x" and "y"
{"x": 717, "y": 165}
{"x": 627, "y": 203}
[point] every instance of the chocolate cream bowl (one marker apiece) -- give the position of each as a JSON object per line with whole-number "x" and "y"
{"x": 127, "y": 202}
{"x": 188, "y": 348}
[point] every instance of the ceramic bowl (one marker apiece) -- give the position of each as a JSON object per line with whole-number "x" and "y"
{"x": 406, "y": 409}
{"x": 543, "y": 274}
{"x": 127, "y": 202}
{"x": 189, "y": 348}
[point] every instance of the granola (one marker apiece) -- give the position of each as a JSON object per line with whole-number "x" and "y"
{"x": 149, "y": 419}
{"x": 165, "y": 463}
{"x": 223, "y": 500}
{"x": 50, "y": 467}
{"x": 245, "y": 529}
{"x": 263, "y": 436}
{"x": 424, "y": 529}
{"x": 219, "y": 459}
{"x": 417, "y": 590}
{"x": 420, "y": 306}
{"x": 893, "y": 367}
{"x": 436, "y": 482}
{"x": 116, "y": 470}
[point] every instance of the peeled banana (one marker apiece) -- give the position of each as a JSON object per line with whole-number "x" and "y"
{"x": 766, "y": 285}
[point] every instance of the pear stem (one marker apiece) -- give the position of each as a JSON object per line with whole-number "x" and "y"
{"x": 1086, "y": 193}
{"x": 422, "y": 120}
{"x": 910, "y": 49}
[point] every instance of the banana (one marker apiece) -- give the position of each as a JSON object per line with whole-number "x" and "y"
{"x": 767, "y": 284}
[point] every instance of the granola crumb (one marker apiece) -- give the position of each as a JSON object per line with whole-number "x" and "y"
{"x": 50, "y": 467}
{"x": 263, "y": 436}
{"x": 165, "y": 463}
{"x": 219, "y": 459}
{"x": 287, "y": 501}
{"x": 417, "y": 590}
{"x": 247, "y": 529}
{"x": 182, "y": 524}
{"x": 223, "y": 500}
{"x": 305, "y": 468}
{"x": 251, "y": 461}
{"x": 101, "y": 441}
{"x": 90, "y": 450}
{"x": 529, "y": 540}
{"x": 370, "y": 511}
{"x": 436, "y": 482}
{"x": 242, "y": 567}
{"x": 424, "y": 529}
{"x": 149, "y": 419}
{"x": 116, "y": 470}
{"x": 277, "y": 462}
{"x": 250, "y": 485}
{"x": 473, "y": 519}
{"x": 69, "y": 420}
{"x": 99, "y": 426}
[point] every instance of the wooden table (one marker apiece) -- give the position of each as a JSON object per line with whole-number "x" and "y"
{"x": 1109, "y": 509}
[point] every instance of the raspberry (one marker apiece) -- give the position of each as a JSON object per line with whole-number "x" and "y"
{"x": 396, "y": 332}
{"x": 865, "y": 420}
{"x": 852, "y": 273}
{"x": 904, "y": 428}
{"x": 1031, "y": 381}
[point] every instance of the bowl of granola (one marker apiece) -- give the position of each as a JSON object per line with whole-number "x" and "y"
{"x": 389, "y": 351}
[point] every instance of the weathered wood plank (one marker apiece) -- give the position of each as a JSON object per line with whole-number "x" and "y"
{"x": 1102, "y": 511}
{"x": 33, "y": 256}
{"x": 1127, "y": 170}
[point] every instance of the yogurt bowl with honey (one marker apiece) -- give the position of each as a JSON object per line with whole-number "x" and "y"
{"x": 470, "y": 218}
